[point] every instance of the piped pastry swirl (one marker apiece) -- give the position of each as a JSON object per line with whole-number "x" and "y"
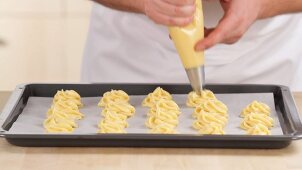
{"x": 116, "y": 109}
{"x": 64, "y": 112}
{"x": 163, "y": 112}
{"x": 210, "y": 114}
{"x": 256, "y": 119}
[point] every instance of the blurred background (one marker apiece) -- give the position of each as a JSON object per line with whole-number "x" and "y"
{"x": 41, "y": 40}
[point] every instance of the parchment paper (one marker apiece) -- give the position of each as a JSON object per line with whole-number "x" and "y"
{"x": 31, "y": 119}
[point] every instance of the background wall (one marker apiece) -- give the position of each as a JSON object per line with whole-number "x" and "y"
{"x": 41, "y": 40}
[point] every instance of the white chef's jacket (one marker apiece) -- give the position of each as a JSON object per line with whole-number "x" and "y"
{"x": 126, "y": 47}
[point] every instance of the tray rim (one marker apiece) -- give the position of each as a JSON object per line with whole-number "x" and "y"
{"x": 286, "y": 137}
{"x": 142, "y": 136}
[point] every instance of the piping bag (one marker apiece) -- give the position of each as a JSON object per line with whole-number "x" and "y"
{"x": 184, "y": 39}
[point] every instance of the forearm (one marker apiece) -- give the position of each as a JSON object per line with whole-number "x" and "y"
{"x": 124, "y": 5}
{"x": 278, "y": 7}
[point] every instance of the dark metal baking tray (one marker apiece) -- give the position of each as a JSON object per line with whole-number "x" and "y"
{"x": 284, "y": 103}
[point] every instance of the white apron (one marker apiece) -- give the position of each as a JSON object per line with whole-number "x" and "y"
{"x": 126, "y": 47}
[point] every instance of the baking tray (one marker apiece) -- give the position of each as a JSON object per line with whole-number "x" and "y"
{"x": 284, "y": 105}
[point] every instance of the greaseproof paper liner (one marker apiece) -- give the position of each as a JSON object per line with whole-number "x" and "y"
{"x": 31, "y": 119}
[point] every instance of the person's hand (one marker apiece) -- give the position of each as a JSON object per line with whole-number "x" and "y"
{"x": 239, "y": 16}
{"x": 170, "y": 12}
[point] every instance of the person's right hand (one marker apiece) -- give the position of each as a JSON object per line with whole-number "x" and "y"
{"x": 170, "y": 12}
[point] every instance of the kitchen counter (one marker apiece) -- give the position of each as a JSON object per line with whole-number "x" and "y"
{"x": 74, "y": 158}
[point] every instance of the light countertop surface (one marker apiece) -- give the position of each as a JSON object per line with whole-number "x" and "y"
{"x": 76, "y": 158}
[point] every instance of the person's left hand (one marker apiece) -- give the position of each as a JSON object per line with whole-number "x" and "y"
{"x": 239, "y": 16}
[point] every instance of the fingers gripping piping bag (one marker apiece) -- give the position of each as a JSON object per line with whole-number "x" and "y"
{"x": 184, "y": 39}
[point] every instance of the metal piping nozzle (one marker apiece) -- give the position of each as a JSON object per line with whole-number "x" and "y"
{"x": 197, "y": 78}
